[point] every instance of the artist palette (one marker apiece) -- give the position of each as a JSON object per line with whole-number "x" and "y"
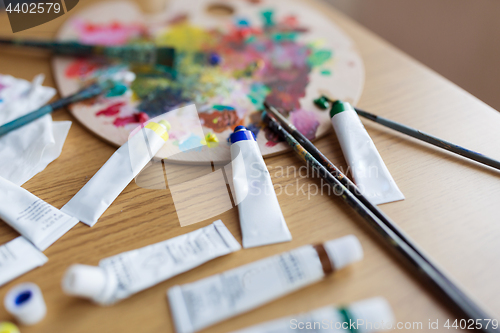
{"x": 280, "y": 51}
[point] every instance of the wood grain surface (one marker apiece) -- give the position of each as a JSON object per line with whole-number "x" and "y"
{"x": 451, "y": 206}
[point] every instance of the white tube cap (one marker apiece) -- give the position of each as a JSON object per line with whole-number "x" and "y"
{"x": 84, "y": 281}
{"x": 25, "y": 302}
{"x": 376, "y": 314}
{"x": 344, "y": 251}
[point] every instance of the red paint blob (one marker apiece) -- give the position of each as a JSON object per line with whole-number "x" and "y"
{"x": 271, "y": 144}
{"x": 80, "y": 68}
{"x": 112, "y": 33}
{"x": 111, "y": 110}
{"x": 291, "y": 21}
{"x": 140, "y": 117}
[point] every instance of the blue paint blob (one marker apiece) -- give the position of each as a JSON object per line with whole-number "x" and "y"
{"x": 193, "y": 142}
{"x": 161, "y": 101}
{"x": 254, "y": 129}
{"x": 242, "y": 22}
{"x": 214, "y": 59}
{"x": 23, "y": 297}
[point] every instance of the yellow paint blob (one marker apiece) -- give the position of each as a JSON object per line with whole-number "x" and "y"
{"x": 211, "y": 140}
{"x": 183, "y": 37}
{"x": 6, "y": 327}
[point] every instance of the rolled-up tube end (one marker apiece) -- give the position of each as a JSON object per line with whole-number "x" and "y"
{"x": 373, "y": 310}
{"x": 179, "y": 310}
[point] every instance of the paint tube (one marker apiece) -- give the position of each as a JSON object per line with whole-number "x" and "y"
{"x": 203, "y": 303}
{"x": 18, "y": 257}
{"x": 111, "y": 179}
{"x": 36, "y": 220}
{"x": 119, "y": 277}
{"x": 367, "y": 316}
{"x": 368, "y": 169}
{"x": 26, "y": 303}
{"x": 261, "y": 219}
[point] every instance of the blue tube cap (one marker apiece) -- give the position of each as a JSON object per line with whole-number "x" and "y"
{"x": 241, "y": 133}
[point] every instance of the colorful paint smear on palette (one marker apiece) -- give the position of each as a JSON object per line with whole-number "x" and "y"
{"x": 2, "y": 87}
{"x": 264, "y": 62}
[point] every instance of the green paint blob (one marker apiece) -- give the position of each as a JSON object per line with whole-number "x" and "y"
{"x": 145, "y": 85}
{"x": 220, "y": 107}
{"x": 284, "y": 36}
{"x": 258, "y": 93}
{"x": 267, "y": 18}
{"x": 117, "y": 90}
{"x": 251, "y": 39}
{"x": 323, "y": 103}
{"x": 326, "y": 72}
{"x": 319, "y": 57}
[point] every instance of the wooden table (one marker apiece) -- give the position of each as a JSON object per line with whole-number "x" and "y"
{"x": 451, "y": 206}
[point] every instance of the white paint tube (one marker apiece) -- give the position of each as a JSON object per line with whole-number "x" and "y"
{"x": 367, "y": 167}
{"x": 18, "y": 257}
{"x": 111, "y": 179}
{"x": 119, "y": 277}
{"x": 367, "y": 316}
{"x": 203, "y": 303}
{"x": 261, "y": 219}
{"x": 36, "y": 220}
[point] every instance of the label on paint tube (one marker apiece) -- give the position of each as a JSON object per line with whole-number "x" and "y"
{"x": 200, "y": 304}
{"x": 203, "y": 303}
{"x": 136, "y": 270}
{"x": 18, "y": 257}
{"x": 370, "y": 315}
{"x": 261, "y": 219}
{"x": 39, "y": 222}
{"x": 122, "y": 167}
{"x": 367, "y": 167}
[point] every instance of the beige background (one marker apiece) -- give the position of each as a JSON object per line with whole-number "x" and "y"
{"x": 457, "y": 38}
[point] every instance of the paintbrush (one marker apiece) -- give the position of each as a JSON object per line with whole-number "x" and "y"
{"x": 323, "y": 102}
{"x": 144, "y": 53}
{"x": 86, "y": 93}
{"x": 423, "y": 268}
{"x": 337, "y": 173}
